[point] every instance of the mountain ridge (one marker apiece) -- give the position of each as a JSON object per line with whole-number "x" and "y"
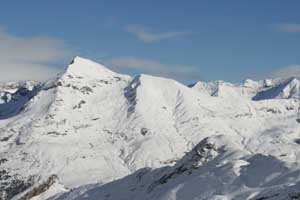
{"x": 93, "y": 128}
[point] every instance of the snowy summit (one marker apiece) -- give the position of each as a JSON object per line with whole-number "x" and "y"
{"x": 94, "y": 134}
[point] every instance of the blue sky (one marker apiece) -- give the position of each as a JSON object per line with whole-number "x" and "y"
{"x": 185, "y": 40}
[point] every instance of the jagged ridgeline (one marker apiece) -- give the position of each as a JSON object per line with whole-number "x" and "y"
{"x": 91, "y": 133}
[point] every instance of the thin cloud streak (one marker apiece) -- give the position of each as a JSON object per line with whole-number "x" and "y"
{"x": 144, "y": 35}
{"x": 286, "y": 72}
{"x": 288, "y": 27}
{"x": 153, "y": 67}
{"x": 28, "y": 58}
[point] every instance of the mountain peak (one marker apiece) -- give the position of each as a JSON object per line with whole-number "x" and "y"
{"x": 280, "y": 89}
{"x": 84, "y": 67}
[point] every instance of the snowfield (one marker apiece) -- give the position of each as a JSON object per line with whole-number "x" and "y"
{"x": 95, "y": 134}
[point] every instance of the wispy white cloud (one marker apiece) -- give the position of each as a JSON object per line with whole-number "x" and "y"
{"x": 154, "y": 67}
{"x": 286, "y": 72}
{"x": 287, "y": 27}
{"x": 145, "y": 35}
{"x": 24, "y": 58}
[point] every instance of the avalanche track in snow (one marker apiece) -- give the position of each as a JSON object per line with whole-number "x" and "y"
{"x": 93, "y": 134}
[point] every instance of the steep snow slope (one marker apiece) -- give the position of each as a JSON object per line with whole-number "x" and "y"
{"x": 215, "y": 169}
{"x": 110, "y": 136}
{"x": 64, "y": 131}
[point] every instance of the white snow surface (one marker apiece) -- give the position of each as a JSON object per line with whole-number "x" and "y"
{"x": 111, "y": 136}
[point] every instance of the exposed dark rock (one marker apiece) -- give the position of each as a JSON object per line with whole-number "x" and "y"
{"x": 144, "y": 131}
{"x": 86, "y": 90}
{"x": 5, "y": 138}
{"x": 40, "y": 188}
{"x": 201, "y": 154}
{"x": 13, "y": 184}
{"x": 55, "y": 133}
{"x": 3, "y": 160}
{"x": 79, "y": 104}
{"x": 294, "y": 196}
{"x": 297, "y": 141}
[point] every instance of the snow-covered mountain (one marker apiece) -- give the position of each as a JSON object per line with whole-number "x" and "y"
{"x": 92, "y": 133}
{"x": 14, "y": 95}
